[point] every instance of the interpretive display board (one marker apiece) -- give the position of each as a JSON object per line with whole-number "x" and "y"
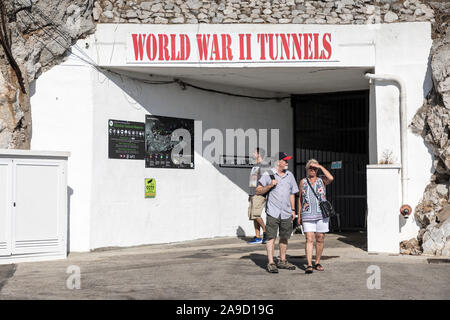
{"x": 126, "y": 140}
{"x": 169, "y": 142}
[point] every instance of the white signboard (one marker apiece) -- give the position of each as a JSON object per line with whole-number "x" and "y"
{"x": 213, "y": 48}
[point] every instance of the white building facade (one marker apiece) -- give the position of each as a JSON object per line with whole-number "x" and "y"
{"x": 73, "y": 102}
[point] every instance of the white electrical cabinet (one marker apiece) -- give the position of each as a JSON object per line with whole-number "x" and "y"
{"x": 33, "y": 205}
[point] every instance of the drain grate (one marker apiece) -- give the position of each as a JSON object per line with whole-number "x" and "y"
{"x": 438, "y": 260}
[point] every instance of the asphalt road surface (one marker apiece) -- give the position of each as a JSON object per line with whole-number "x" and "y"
{"x": 228, "y": 268}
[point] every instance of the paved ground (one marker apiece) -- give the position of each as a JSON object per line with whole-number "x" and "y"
{"x": 228, "y": 268}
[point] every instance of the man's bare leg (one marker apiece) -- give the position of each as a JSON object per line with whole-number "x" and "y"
{"x": 261, "y": 223}
{"x": 273, "y": 246}
{"x": 283, "y": 248}
{"x": 256, "y": 226}
{"x": 270, "y": 249}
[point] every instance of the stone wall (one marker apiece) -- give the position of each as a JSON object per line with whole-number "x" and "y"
{"x": 260, "y": 11}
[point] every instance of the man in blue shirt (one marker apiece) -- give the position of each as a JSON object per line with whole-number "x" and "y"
{"x": 280, "y": 210}
{"x": 257, "y": 202}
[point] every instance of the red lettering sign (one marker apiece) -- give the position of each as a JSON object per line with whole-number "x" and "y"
{"x": 230, "y": 47}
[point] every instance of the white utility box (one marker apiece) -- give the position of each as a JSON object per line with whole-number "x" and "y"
{"x": 33, "y": 205}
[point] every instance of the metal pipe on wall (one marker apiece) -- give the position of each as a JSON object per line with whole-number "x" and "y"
{"x": 403, "y": 127}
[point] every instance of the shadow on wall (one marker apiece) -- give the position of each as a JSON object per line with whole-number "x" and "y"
{"x": 427, "y": 87}
{"x": 428, "y": 80}
{"x": 402, "y": 222}
{"x": 240, "y": 233}
{"x": 215, "y": 111}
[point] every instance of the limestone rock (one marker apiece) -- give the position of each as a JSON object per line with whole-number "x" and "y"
{"x": 108, "y": 14}
{"x": 156, "y": 8}
{"x": 442, "y": 190}
{"x": 161, "y": 20}
{"x": 348, "y": 2}
{"x": 410, "y": 247}
{"x": 131, "y": 14}
{"x": 107, "y": 5}
{"x": 441, "y": 71}
{"x": 96, "y": 12}
{"x": 146, "y": 5}
{"x": 177, "y": 20}
{"x": 194, "y": 4}
{"x": 390, "y": 17}
{"x": 446, "y": 250}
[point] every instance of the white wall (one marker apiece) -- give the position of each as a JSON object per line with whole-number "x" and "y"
{"x": 71, "y": 107}
{"x": 62, "y": 118}
{"x": 403, "y": 49}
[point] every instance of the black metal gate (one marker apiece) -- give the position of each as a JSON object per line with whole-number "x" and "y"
{"x": 333, "y": 128}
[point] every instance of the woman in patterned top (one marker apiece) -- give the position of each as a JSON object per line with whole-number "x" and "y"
{"x": 311, "y": 218}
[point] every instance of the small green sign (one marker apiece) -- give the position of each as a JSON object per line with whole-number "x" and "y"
{"x": 336, "y": 165}
{"x": 150, "y": 188}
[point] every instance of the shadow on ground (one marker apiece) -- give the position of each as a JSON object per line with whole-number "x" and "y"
{"x": 299, "y": 261}
{"x": 6, "y": 272}
{"x": 356, "y": 239}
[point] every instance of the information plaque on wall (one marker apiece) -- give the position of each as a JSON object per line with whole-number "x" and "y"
{"x": 169, "y": 142}
{"x": 236, "y": 162}
{"x": 150, "y": 188}
{"x": 336, "y": 165}
{"x": 126, "y": 139}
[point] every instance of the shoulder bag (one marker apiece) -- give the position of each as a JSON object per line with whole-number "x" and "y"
{"x": 325, "y": 206}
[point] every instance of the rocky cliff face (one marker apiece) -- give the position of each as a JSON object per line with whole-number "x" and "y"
{"x": 39, "y": 32}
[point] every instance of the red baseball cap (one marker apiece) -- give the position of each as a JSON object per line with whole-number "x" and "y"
{"x": 283, "y": 156}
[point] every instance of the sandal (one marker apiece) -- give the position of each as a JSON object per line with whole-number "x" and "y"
{"x": 284, "y": 264}
{"x": 318, "y": 267}
{"x": 272, "y": 268}
{"x": 309, "y": 269}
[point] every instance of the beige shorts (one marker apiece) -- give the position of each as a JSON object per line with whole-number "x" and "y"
{"x": 256, "y": 204}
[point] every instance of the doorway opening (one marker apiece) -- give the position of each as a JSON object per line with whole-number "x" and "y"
{"x": 333, "y": 128}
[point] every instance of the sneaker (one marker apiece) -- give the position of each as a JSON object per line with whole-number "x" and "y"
{"x": 272, "y": 268}
{"x": 284, "y": 264}
{"x": 264, "y": 239}
{"x": 255, "y": 240}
